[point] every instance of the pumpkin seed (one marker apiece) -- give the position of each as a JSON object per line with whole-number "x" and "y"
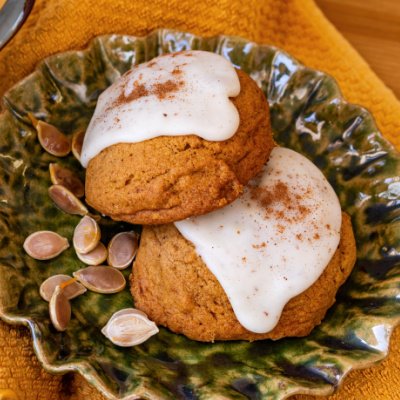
{"x": 65, "y": 177}
{"x": 60, "y": 309}
{"x": 101, "y": 279}
{"x": 86, "y": 235}
{"x": 66, "y": 200}
{"x": 52, "y": 140}
{"x": 71, "y": 291}
{"x": 44, "y": 245}
{"x": 77, "y": 143}
{"x": 129, "y": 327}
{"x": 122, "y": 249}
{"x": 95, "y": 257}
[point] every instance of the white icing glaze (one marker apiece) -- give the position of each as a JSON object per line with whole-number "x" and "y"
{"x": 273, "y": 242}
{"x": 175, "y": 94}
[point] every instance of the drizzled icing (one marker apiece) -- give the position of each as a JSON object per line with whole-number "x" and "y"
{"x": 273, "y": 242}
{"x": 174, "y": 94}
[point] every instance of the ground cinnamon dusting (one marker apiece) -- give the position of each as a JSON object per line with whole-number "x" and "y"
{"x": 138, "y": 91}
{"x": 281, "y": 228}
{"x": 284, "y": 205}
{"x": 176, "y": 71}
{"x": 164, "y": 89}
{"x": 259, "y": 246}
{"x": 303, "y": 210}
{"x": 161, "y": 90}
{"x": 267, "y": 197}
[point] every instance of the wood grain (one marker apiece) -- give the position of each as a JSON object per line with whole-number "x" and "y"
{"x": 373, "y": 28}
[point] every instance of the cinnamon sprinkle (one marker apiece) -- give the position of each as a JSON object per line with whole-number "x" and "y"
{"x": 138, "y": 91}
{"x": 277, "y": 200}
{"x": 176, "y": 71}
{"x": 281, "y": 228}
{"x": 267, "y": 197}
{"x": 259, "y": 246}
{"x": 164, "y": 89}
{"x": 161, "y": 90}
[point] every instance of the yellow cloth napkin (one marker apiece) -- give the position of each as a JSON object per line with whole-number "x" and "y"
{"x": 294, "y": 25}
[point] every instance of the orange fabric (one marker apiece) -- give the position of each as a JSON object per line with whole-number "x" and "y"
{"x": 297, "y": 26}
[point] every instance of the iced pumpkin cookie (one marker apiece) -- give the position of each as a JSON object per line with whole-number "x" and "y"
{"x": 176, "y": 137}
{"x": 266, "y": 266}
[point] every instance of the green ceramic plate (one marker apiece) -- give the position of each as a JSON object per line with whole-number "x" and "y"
{"x": 308, "y": 115}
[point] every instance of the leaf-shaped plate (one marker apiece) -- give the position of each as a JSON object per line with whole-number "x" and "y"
{"x": 309, "y": 115}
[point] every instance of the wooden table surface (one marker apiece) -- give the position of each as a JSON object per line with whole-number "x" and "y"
{"x": 373, "y": 28}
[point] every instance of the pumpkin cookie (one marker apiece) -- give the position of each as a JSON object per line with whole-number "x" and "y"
{"x": 169, "y": 178}
{"x": 174, "y": 287}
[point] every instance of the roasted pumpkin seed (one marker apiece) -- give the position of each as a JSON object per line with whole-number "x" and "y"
{"x": 95, "y": 257}
{"x": 66, "y": 200}
{"x": 129, "y": 327}
{"x": 86, "y": 235}
{"x": 71, "y": 291}
{"x": 44, "y": 245}
{"x": 77, "y": 143}
{"x": 122, "y": 249}
{"x": 101, "y": 279}
{"x": 65, "y": 177}
{"x": 52, "y": 140}
{"x": 60, "y": 309}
